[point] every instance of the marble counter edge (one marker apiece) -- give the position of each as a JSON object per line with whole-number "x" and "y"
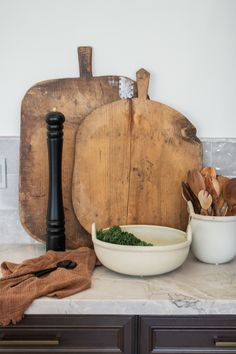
{"x": 131, "y": 307}
{"x": 193, "y": 289}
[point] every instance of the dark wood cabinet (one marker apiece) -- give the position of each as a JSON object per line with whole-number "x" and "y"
{"x": 108, "y": 334}
{"x": 56, "y": 334}
{"x": 187, "y": 334}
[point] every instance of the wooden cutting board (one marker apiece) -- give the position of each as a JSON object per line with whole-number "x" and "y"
{"x": 75, "y": 98}
{"x": 130, "y": 159}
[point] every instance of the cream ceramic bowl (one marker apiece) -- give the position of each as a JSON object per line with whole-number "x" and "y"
{"x": 214, "y": 237}
{"x": 145, "y": 260}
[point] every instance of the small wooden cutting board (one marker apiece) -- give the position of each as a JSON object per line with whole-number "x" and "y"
{"x": 131, "y": 157}
{"x": 75, "y": 98}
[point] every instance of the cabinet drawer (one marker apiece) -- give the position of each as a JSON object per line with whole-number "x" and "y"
{"x": 190, "y": 334}
{"x": 70, "y": 334}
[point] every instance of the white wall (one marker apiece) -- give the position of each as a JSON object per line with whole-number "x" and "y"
{"x": 189, "y": 46}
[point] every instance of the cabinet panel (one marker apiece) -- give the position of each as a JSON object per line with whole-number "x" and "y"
{"x": 102, "y": 334}
{"x": 70, "y": 334}
{"x": 187, "y": 334}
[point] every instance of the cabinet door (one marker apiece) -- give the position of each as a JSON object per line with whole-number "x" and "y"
{"x": 70, "y": 334}
{"x": 187, "y": 334}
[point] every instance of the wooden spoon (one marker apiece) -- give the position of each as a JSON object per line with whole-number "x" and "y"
{"x": 224, "y": 209}
{"x": 205, "y": 200}
{"x": 208, "y": 171}
{"x": 231, "y": 211}
{"x": 222, "y": 206}
{"x": 222, "y": 181}
{"x": 229, "y": 194}
{"x": 188, "y": 195}
{"x": 195, "y": 181}
{"x": 213, "y": 188}
{"x": 220, "y": 203}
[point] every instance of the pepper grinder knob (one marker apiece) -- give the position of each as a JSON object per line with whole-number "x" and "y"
{"x": 55, "y": 224}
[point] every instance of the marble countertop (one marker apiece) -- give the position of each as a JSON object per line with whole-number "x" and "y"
{"x": 194, "y": 288}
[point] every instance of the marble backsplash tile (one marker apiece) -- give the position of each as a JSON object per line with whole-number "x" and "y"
{"x": 220, "y": 153}
{"x": 11, "y": 230}
{"x": 9, "y": 148}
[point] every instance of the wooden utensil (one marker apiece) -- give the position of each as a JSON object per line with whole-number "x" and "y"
{"x": 130, "y": 162}
{"x": 188, "y": 195}
{"x": 220, "y": 204}
{"x": 229, "y": 194}
{"x": 195, "y": 181}
{"x": 213, "y": 187}
{"x": 231, "y": 211}
{"x": 208, "y": 171}
{"x": 205, "y": 200}
{"x": 224, "y": 209}
{"x": 75, "y": 98}
{"x": 222, "y": 180}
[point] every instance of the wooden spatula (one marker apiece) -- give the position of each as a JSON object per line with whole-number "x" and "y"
{"x": 205, "y": 200}
{"x": 229, "y": 193}
{"x": 195, "y": 181}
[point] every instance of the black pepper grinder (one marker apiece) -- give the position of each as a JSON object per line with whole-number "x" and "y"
{"x": 55, "y": 229}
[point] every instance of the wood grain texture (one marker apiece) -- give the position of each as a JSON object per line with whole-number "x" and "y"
{"x": 131, "y": 157}
{"x": 75, "y": 98}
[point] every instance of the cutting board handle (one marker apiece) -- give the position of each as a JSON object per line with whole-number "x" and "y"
{"x": 142, "y": 77}
{"x": 85, "y": 62}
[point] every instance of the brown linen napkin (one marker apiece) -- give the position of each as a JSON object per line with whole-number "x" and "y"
{"x": 16, "y": 294}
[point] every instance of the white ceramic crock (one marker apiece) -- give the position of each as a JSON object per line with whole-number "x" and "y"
{"x": 214, "y": 237}
{"x": 145, "y": 260}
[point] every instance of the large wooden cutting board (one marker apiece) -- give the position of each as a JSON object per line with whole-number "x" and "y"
{"x": 130, "y": 159}
{"x": 75, "y": 98}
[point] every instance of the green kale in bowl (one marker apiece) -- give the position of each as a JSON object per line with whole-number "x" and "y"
{"x": 115, "y": 235}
